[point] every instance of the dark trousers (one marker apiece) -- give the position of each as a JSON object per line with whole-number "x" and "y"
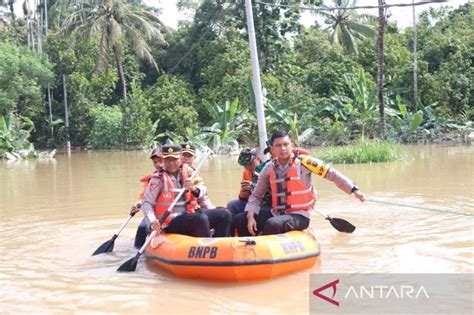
{"x": 267, "y": 224}
{"x": 235, "y": 207}
{"x": 193, "y": 224}
{"x": 142, "y": 231}
{"x": 219, "y": 220}
{"x": 196, "y": 224}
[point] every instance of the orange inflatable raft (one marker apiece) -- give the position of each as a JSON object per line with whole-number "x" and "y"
{"x": 233, "y": 258}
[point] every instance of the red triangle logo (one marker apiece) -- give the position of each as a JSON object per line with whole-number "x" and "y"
{"x": 332, "y": 285}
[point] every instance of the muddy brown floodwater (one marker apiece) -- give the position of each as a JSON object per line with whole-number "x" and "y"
{"x": 55, "y": 213}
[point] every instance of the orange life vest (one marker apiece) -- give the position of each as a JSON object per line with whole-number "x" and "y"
{"x": 298, "y": 151}
{"x": 169, "y": 191}
{"x": 298, "y": 195}
{"x": 145, "y": 180}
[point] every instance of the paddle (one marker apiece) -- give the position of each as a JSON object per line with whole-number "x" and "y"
{"x": 339, "y": 224}
{"x": 131, "y": 264}
{"x": 108, "y": 246}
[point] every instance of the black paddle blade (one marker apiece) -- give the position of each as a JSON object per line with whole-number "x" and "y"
{"x": 107, "y": 247}
{"x": 130, "y": 265}
{"x": 341, "y": 225}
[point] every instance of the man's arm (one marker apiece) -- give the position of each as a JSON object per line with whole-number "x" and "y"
{"x": 152, "y": 191}
{"x": 263, "y": 185}
{"x": 319, "y": 168}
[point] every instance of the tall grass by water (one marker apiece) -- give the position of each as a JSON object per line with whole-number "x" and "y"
{"x": 364, "y": 151}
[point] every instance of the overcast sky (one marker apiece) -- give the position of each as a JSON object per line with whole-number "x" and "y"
{"x": 403, "y": 15}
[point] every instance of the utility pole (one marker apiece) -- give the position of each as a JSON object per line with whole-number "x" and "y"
{"x": 415, "y": 60}
{"x": 380, "y": 67}
{"x": 46, "y": 17}
{"x": 257, "y": 85}
{"x": 66, "y": 116}
{"x": 39, "y": 18}
{"x": 50, "y": 107}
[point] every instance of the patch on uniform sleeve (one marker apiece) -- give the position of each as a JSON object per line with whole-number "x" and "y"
{"x": 153, "y": 186}
{"x": 316, "y": 166}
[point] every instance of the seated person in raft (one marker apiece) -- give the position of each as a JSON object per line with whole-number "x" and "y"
{"x": 188, "y": 155}
{"x": 186, "y": 217}
{"x": 288, "y": 177}
{"x": 143, "y": 228}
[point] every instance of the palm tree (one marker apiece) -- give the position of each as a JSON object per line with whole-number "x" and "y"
{"x": 115, "y": 21}
{"x": 347, "y": 28}
{"x": 9, "y": 4}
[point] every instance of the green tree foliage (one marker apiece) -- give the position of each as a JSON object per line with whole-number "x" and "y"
{"x": 114, "y": 22}
{"x": 322, "y": 66}
{"x": 23, "y": 76}
{"x": 137, "y": 128}
{"x": 14, "y": 136}
{"x": 310, "y": 84}
{"x": 447, "y": 48}
{"x": 398, "y": 68}
{"x": 106, "y": 130}
{"x": 228, "y": 71}
{"x": 173, "y": 105}
{"x": 86, "y": 88}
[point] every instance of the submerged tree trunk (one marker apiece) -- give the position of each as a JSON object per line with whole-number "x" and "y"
{"x": 380, "y": 65}
{"x": 121, "y": 74}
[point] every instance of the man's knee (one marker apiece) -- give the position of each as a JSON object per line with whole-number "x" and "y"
{"x": 201, "y": 218}
{"x": 200, "y": 225}
{"x": 239, "y": 223}
{"x": 240, "y": 219}
{"x": 226, "y": 215}
{"x": 235, "y": 207}
{"x": 230, "y": 204}
{"x": 273, "y": 226}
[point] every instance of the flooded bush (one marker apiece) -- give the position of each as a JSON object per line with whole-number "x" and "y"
{"x": 365, "y": 151}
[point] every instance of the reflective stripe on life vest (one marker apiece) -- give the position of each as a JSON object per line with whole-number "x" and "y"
{"x": 298, "y": 195}
{"x": 168, "y": 194}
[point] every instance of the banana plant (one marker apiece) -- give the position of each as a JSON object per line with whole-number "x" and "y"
{"x": 192, "y": 136}
{"x": 359, "y": 108}
{"x": 404, "y": 122}
{"x": 285, "y": 118}
{"x": 14, "y": 133}
{"x": 229, "y": 123}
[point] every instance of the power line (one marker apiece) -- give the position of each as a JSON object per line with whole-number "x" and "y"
{"x": 193, "y": 46}
{"x": 350, "y": 8}
{"x": 196, "y": 43}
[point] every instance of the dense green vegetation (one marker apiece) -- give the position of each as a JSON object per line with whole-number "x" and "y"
{"x": 363, "y": 151}
{"x": 132, "y": 82}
